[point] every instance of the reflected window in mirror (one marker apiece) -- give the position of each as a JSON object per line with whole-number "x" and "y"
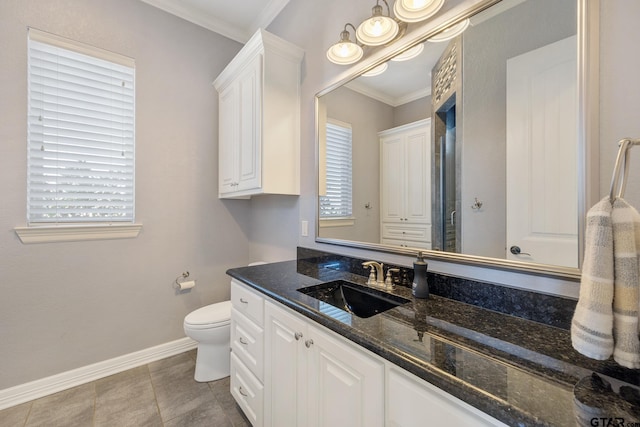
{"x": 336, "y": 193}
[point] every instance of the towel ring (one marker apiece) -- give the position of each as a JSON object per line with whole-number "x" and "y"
{"x": 621, "y": 168}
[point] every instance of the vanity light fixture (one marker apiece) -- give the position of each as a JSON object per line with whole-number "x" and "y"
{"x": 416, "y": 10}
{"x": 409, "y": 53}
{"x": 345, "y": 52}
{"x": 451, "y": 32}
{"x": 376, "y": 71}
{"x": 379, "y": 29}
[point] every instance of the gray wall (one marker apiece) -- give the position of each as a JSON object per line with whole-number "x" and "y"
{"x": 67, "y": 305}
{"x": 64, "y": 306}
{"x": 486, "y": 49}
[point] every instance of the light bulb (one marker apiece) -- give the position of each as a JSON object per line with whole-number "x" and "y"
{"x": 416, "y": 10}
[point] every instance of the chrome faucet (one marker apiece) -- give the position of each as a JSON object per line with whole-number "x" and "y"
{"x": 377, "y": 278}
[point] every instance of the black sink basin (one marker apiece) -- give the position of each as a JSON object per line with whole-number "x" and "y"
{"x": 356, "y": 299}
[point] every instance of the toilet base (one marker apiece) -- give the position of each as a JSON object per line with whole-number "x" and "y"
{"x": 212, "y": 362}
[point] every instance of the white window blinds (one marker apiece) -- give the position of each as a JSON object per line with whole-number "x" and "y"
{"x": 337, "y": 201}
{"x": 80, "y": 133}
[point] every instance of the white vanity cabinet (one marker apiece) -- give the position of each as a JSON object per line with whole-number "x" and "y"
{"x": 247, "y": 351}
{"x": 413, "y": 402}
{"x": 287, "y": 371}
{"x": 259, "y": 119}
{"x": 405, "y": 176}
{"x": 315, "y": 378}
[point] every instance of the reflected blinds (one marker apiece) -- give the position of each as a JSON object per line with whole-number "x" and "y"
{"x": 80, "y": 133}
{"x": 337, "y": 202}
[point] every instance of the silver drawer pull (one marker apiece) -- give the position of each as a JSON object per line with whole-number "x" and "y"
{"x": 242, "y": 300}
{"x": 298, "y": 335}
{"x": 242, "y": 341}
{"x": 242, "y": 392}
{"x": 308, "y": 343}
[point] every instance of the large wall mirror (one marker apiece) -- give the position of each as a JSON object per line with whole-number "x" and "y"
{"x": 471, "y": 148}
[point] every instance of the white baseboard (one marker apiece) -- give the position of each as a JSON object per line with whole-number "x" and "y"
{"x": 35, "y": 389}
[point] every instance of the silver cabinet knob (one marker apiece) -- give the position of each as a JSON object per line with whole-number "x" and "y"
{"x": 242, "y": 300}
{"x": 242, "y": 392}
{"x": 242, "y": 341}
{"x": 298, "y": 335}
{"x": 308, "y": 343}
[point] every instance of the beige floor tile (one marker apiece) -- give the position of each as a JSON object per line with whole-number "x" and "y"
{"x": 73, "y": 407}
{"x": 162, "y": 394}
{"x": 16, "y": 415}
{"x": 126, "y": 399}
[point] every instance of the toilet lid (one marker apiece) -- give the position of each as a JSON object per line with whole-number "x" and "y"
{"x": 210, "y": 314}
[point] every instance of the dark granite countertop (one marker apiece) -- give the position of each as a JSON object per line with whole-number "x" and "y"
{"x": 520, "y": 371}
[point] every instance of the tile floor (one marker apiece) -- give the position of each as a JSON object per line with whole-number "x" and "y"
{"x": 162, "y": 393}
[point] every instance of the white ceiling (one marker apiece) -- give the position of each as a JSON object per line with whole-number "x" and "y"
{"x": 237, "y": 19}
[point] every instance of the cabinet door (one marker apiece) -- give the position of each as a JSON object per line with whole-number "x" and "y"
{"x": 228, "y": 137}
{"x": 285, "y": 359}
{"x": 412, "y": 402}
{"x": 417, "y": 203}
{"x": 250, "y": 126}
{"x": 392, "y": 178}
{"x": 346, "y": 386}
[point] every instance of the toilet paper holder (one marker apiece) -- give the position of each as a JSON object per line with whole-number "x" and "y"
{"x": 184, "y": 276}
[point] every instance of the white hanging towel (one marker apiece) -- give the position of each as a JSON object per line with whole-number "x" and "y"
{"x": 606, "y": 317}
{"x": 592, "y": 324}
{"x": 626, "y": 292}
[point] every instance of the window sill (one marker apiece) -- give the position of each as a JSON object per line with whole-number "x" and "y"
{"x": 76, "y": 233}
{"x": 337, "y": 222}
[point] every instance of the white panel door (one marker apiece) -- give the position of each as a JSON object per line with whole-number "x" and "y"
{"x": 285, "y": 361}
{"x": 418, "y": 179}
{"x": 392, "y": 178}
{"x": 542, "y": 155}
{"x": 346, "y": 387}
{"x": 250, "y": 149}
{"x": 412, "y": 402}
{"x": 227, "y": 163}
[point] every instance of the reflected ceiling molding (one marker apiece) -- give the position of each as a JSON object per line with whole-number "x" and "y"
{"x": 495, "y": 10}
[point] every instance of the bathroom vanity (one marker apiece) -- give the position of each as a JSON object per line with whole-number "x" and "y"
{"x": 297, "y": 360}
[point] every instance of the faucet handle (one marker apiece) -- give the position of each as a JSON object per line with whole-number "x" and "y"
{"x": 388, "y": 281}
{"x": 372, "y": 272}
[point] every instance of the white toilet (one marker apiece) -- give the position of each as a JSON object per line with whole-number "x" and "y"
{"x": 210, "y": 326}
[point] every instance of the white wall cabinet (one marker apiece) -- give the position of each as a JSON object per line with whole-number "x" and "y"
{"x": 405, "y": 185}
{"x": 316, "y": 379}
{"x": 299, "y": 373}
{"x": 259, "y": 119}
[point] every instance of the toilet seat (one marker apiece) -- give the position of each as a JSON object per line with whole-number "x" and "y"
{"x": 210, "y": 316}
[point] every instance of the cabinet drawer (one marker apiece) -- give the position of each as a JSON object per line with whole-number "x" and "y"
{"x": 406, "y": 243}
{"x": 414, "y": 232}
{"x": 247, "y": 343}
{"x": 247, "y": 302}
{"x": 247, "y": 391}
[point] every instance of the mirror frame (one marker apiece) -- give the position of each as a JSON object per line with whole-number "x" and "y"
{"x": 588, "y": 31}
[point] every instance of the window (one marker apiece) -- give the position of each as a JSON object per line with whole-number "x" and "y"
{"x": 337, "y": 200}
{"x": 80, "y": 133}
